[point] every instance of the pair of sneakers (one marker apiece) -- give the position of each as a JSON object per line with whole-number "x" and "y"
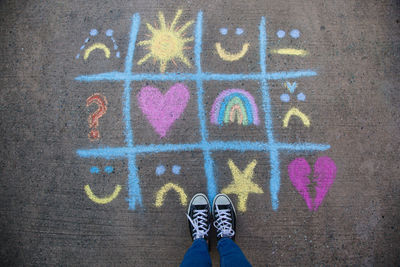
{"x": 200, "y": 217}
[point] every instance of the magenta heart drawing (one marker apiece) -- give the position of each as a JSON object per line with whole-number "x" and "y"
{"x": 324, "y": 174}
{"x": 162, "y": 110}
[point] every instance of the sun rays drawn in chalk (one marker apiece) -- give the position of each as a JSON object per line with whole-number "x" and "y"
{"x": 107, "y": 51}
{"x": 167, "y": 43}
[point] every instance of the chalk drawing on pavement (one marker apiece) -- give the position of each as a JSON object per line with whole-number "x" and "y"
{"x": 95, "y": 46}
{"x": 94, "y": 169}
{"x": 239, "y": 31}
{"x": 103, "y": 200}
{"x": 160, "y": 170}
{"x": 234, "y": 105}
{"x": 324, "y": 174}
{"x": 295, "y": 33}
{"x": 161, "y": 194}
{"x": 292, "y": 87}
{"x": 167, "y": 43}
{"x": 110, "y": 33}
{"x": 162, "y": 110}
{"x": 242, "y": 184}
{"x": 280, "y": 33}
{"x": 98, "y": 45}
{"x": 223, "y": 31}
{"x": 296, "y": 112}
{"x": 93, "y": 120}
{"x": 107, "y": 169}
{"x": 130, "y": 150}
{"x": 227, "y": 56}
{"x": 176, "y": 169}
{"x": 290, "y": 52}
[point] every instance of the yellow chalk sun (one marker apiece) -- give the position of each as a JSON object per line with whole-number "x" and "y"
{"x": 167, "y": 43}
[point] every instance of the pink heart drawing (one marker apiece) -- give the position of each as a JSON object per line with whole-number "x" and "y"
{"x": 162, "y": 110}
{"x": 324, "y": 173}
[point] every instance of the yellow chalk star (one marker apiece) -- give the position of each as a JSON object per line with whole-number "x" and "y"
{"x": 242, "y": 185}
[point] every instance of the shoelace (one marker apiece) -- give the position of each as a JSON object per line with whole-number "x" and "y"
{"x": 199, "y": 223}
{"x": 223, "y": 223}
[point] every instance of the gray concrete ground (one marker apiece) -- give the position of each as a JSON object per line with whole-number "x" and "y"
{"x": 353, "y": 104}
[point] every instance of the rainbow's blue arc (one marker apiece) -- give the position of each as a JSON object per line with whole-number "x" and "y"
{"x": 131, "y": 150}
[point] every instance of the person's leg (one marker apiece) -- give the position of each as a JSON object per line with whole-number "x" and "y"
{"x": 197, "y": 255}
{"x": 225, "y": 222}
{"x": 230, "y": 254}
{"x": 199, "y": 213}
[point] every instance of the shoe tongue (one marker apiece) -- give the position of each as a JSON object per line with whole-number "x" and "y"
{"x": 223, "y": 207}
{"x": 200, "y": 207}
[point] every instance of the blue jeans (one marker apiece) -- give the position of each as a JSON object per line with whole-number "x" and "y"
{"x": 230, "y": 254}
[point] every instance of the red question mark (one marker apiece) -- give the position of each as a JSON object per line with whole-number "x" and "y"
{"x": 93, "y": 120}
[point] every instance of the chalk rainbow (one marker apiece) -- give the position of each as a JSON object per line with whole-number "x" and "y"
{"x": 234, "y": 104}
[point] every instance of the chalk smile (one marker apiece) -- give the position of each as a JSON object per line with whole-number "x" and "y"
{"x": 229, "y": 56}
{"x": 102, "y": 200}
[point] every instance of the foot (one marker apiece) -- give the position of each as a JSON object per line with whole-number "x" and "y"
{"x": 224, "y": 216}
{"x": 199, "y": 213}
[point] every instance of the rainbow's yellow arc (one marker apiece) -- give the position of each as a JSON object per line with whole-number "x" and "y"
{"x": 167, "y": 43}
{"x": 97, "y": 46}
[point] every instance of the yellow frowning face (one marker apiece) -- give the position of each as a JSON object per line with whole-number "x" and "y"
{"x": 87, "y": 48}
{"x": 227, "y": 56}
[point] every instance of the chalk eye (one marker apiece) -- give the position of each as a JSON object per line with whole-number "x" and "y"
{"x": 93, "y": 32}
{"x": 285, "y": 98}
{"x": 176, "y": 169}
{"x": 239, "y": 31}
{"x": 109, "y": 32}
{"x": 108, "y": 169}
{"x": 160, "y": 170}
{"x": 223, "y": 31}
{"x": 295, "y": 33}
{"x": 301, "y": 97}
{"x": 280, "y": 34}
{"x": 94, "y": 169}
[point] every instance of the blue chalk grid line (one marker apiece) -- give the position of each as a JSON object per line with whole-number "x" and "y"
{"x": 130, "y": 151}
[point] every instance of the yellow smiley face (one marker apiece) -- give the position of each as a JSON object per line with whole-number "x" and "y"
{"x": 227, "y": 56}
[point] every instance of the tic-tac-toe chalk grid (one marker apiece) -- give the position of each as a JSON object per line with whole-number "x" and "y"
{"x": 130, "y": 150}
